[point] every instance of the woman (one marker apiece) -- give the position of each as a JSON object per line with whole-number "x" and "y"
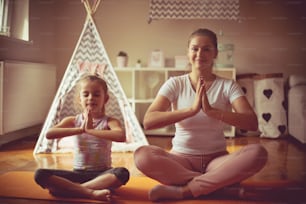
{"x": 201, "y": 102}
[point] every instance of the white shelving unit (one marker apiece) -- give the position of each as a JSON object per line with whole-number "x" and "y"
{"x": 142, "y": 84}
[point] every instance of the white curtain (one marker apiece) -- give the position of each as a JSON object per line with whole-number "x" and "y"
{"x": 194, "y": 9}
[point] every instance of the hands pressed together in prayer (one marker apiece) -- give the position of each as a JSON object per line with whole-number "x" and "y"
{"x": 88, "y": 121}
{"x": 201, "y": 100}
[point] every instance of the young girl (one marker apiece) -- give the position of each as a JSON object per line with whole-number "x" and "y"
{"x": 92, "y": 176}
{"x": 198, "y": 163}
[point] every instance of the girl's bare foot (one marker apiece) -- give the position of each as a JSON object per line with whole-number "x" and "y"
{"x": 104, "y": 195}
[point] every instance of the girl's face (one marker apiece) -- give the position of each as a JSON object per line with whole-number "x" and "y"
{"x": 93, "y": 96}
{"x": 201, "y": 52}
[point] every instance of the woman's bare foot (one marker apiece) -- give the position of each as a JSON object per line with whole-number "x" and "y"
{"x": 163, "y": 192}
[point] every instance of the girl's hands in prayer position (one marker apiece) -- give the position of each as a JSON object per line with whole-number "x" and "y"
{"x": 88, "y": 121}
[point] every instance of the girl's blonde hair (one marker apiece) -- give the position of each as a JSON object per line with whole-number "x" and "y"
{"x": 94, "y": 78}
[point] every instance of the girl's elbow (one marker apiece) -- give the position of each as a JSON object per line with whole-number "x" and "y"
{"x": 122, "y": 137}
{"x": 49, "y": 136}
{"x": 146, "y": 124}
{"x": 52, "y": 133}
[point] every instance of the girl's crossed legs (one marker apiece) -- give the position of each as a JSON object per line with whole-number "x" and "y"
{"x": 83, "y": 184}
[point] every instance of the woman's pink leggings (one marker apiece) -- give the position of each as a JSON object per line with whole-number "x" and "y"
{"x": 202, "y": 174}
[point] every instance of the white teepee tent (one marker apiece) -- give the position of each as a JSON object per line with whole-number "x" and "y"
{"x": 90, "y": 57}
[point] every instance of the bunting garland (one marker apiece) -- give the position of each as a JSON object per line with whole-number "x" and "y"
{"x": 194, "y": 9}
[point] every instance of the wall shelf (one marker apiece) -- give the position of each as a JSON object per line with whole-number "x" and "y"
{"x": 142, "y": 84}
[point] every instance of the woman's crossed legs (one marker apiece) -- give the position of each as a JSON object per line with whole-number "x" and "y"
{"x": 187, "y": 176}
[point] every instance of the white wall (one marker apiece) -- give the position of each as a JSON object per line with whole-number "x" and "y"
{"x": 271, "y": 37}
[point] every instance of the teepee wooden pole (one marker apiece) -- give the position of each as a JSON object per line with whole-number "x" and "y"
{"x": 87, "y": 7}
{"x": 95, "y": 6}
{"x": 91, "y": 9}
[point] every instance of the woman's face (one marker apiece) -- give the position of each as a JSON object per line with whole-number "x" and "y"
{"x": 201, "y": 52}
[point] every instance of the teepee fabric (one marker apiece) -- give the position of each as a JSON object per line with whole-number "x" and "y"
{"x": 90, "y": 57}
{"x": 194, "y": 9}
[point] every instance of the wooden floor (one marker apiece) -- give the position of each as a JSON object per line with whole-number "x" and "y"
{"x": 285, "y": 169}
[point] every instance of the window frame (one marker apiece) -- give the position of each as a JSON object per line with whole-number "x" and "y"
{"x": 15, "y": 20}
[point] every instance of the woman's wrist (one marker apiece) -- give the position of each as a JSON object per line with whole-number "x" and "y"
{"x": 217, "y": 114}
{"x": 221, "y": 115}
{"x": 192, "y": 112}
{"x": 80, "y": 130}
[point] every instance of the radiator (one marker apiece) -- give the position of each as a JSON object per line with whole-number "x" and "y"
{"x": 26, "y": 93}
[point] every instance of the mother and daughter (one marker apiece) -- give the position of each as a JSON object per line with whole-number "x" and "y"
{"x": 198, "y": 103}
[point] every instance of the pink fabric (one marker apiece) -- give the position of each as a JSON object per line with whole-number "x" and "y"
{"x": 202, "y": 173}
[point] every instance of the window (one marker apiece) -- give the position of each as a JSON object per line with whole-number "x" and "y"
{"x": 14, "y": 19}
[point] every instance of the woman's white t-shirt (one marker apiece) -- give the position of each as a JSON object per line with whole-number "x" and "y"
{"x": 199, "y": 134}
